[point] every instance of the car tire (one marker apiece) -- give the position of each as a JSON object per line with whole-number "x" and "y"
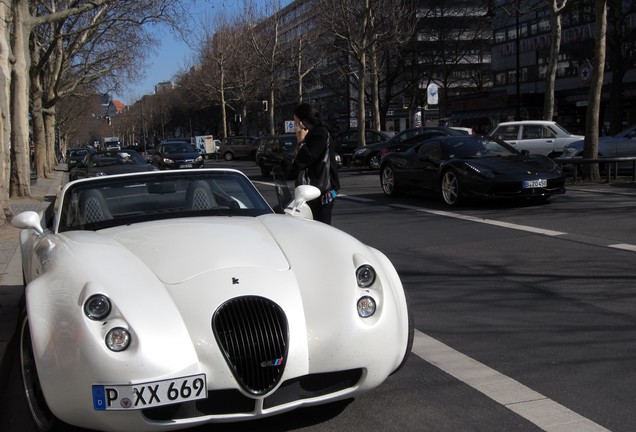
{"x": 228, "y": 156}
{"x": 388, "y": 181}
{"x": 41, "y": 416}
{"x": 374, "y": 162}
{"x": 411, "y": 334}
{"x": 451, "y": 189}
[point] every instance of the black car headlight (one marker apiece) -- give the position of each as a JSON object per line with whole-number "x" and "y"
{"x": 97, "y": 307}
{"x": 484, "y": 172}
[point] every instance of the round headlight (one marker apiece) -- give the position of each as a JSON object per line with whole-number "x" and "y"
{"x": 118, "y": 339}
{"x": 365, "y": 276}
{"x": 366, "y": 306}
{"x": 97, "y": 307}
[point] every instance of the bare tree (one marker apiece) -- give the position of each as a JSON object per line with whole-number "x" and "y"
{"x": 590, "y": 149}
{"x": 556, "y": 11}
{"x": 264, "y": 36}
{"x": 350, "y": 24}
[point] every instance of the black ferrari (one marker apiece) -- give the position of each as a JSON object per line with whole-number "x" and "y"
{"x": 461, "y": 167}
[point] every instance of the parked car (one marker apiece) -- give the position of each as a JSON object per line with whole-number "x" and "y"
{"x": 165, "y": 300}
{"x": 75, "y": 156}
{"x": 176, "y": 155}
{"x": 460, "y": 167}
{"x": 537, "y": 136}
{"x": 277, "y": 151}
{"x": 236, "y": 147}
{"x": 623, "y": 144}
{"x": 346, "y": 143}
{"x": 96, "y": 164}
{"x": 370, "y": 155}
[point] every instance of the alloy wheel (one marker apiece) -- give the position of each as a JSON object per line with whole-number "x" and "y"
{"x": 374, "y": 162}
{"x": 387, "y": 178}
{"x": 450, "y": 188}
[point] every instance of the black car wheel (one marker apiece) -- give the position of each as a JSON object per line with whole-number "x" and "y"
{"x": 228, "y": 156}
{"x": 450, "y": 188}
{"x": 43, "y": 418}
{"x": 374, "y": 162}
{"x": 388, "y": 181}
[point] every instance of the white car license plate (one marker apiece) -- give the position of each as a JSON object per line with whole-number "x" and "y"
{"x": 535, "y": 184}
{"x": 151, "y": 394}
{"x": 186, "y": 166}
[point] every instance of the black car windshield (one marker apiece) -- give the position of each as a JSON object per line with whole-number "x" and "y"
{"x": 476, "y": 147}
{"x": 125, "y": 157}
{"x": 109, "y": 201}
{"x": 178, "y": 148}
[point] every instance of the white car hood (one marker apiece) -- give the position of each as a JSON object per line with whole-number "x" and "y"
{"x": 177, "y": 250}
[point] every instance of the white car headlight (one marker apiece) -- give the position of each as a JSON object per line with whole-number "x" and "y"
{"x": 97, "y": 307}
{"x": 168, "y": 161}
{"x": 199, "y": 159}
{"x": 118, "y": 339}
{"x": 366, "y": 306}
{"x": 365, "y": 276}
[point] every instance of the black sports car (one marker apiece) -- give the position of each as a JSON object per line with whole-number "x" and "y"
{"x": 467, "y": 166}
{"x": 371, "y": 154}
{"x": 97, "y": 164}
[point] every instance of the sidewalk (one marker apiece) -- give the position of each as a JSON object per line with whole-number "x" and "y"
{"x": 42, "y": 193}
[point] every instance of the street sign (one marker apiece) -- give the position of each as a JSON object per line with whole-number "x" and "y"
{"x": 289, "y": 126}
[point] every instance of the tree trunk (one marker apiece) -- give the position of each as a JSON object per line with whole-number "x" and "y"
{"x": 50, "y": 123}
{"x": 5, "y": 111}
{"x": 590, "y": 149}
{"x": 375, "y": 88}
{"x": 20, "y": 152}
{"x": 555, "y": 24}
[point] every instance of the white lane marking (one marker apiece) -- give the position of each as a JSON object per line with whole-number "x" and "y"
{"x": 484, "y": 221}
{"x": 529, "y": 404}
{"x": 624, "y": 246}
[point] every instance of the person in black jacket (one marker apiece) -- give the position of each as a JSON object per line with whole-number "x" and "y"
{"x": 315, "y": 167}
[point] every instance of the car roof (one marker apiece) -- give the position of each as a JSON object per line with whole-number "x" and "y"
{"x": 527, "y": 122}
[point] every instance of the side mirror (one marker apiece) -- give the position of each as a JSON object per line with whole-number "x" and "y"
{"x": 28, "y": 220}
{"x": 299, "y": 207}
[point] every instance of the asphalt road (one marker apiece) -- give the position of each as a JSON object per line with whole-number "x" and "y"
{"x": 525, "y": 315}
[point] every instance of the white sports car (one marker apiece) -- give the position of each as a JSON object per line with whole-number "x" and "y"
{"x": 164, "y": 300}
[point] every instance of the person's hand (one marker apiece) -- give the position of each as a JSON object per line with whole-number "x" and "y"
{"x": 301, "y": 134}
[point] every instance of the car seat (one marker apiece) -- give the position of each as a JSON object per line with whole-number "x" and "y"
{"x": 93, "y": 207}
{"x": 199, "y": 196}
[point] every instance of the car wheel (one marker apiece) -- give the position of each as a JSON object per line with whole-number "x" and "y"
{"x": 41, "y": 415}
{"x": 451, "y": 188}
{"x": 374, "y": 162}
{"x": 411, "y": 335}
{"x": 228, "y": 156}
{"x": 388, "y": 181}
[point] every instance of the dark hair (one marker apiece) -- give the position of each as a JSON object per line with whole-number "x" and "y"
{"x": 307, "y": 114}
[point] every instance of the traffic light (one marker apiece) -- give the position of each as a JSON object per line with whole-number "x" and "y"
{"x": 264, "y": 105}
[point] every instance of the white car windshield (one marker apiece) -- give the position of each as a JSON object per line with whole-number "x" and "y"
{"x": 105, "y": 202}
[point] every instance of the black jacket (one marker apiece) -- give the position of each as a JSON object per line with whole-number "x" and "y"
{"x": 310, "y": 157}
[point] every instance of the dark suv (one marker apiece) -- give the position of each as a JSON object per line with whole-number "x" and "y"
{"x": 277, "y": 151}
{"x": 176, "y": 155}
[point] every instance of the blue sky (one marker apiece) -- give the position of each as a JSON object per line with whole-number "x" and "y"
{"x": 174, "y": 54}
